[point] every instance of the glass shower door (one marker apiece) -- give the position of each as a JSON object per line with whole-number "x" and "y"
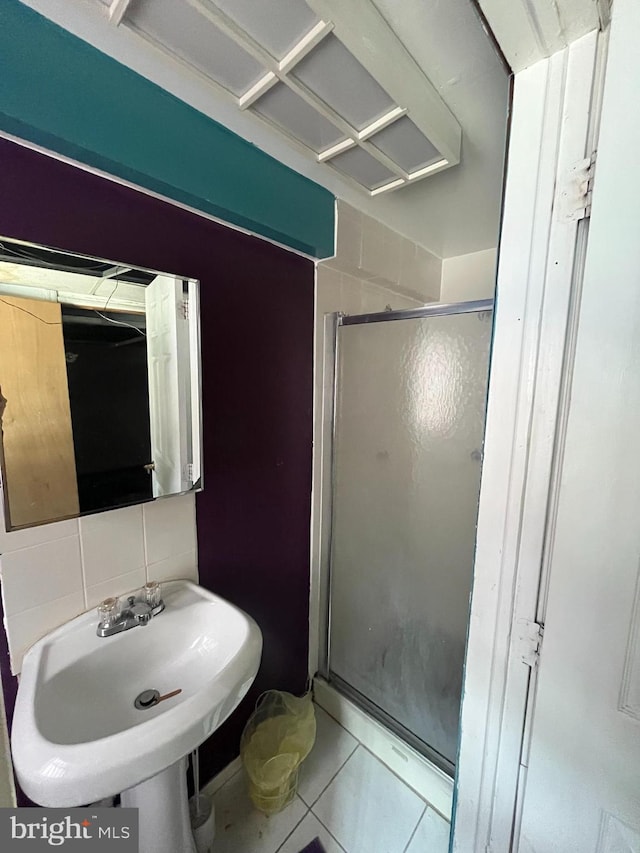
{"x": 409, "y": 423}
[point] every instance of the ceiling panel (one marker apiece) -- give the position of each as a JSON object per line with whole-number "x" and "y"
{"x": 406, "y": 145}
{"x": 412, "y": 48}
{"x": 362, "y": 167}
{"x": 334, "y": 74}
{"x": 277, "y": 25}
{"x": 294, "y": 115}
{"x": 325, "y": 73}
{"x": 182, "y": 30}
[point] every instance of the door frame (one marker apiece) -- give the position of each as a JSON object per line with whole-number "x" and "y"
{"x": 541, "y": 259}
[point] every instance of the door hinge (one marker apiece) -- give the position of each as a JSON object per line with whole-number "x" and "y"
{"x": 188, "y": 473}
{"x": 575, "y": 192}
{"x": 184, "y": 308}
{"x": 529, "y": 641}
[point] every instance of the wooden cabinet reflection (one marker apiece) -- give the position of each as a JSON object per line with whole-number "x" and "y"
{"x": 38, "y": 462}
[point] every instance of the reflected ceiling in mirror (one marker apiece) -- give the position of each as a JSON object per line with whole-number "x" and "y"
{"x": 100, "y": 384}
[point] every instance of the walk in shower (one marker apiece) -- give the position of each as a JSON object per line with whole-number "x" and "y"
{"x": 409, "y": 412}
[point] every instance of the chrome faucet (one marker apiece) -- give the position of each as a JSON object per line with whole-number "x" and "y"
{"x": 137, "y": 611}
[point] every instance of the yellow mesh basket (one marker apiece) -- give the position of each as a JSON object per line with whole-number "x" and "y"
{"x": 277, "y": 738}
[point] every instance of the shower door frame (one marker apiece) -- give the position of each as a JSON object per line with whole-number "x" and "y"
{"x": 339, "y": 319}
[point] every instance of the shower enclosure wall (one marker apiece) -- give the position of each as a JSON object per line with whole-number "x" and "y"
{"x": 409, "y": 409}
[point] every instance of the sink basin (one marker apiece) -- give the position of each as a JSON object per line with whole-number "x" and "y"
{"x": 77, "y": 736}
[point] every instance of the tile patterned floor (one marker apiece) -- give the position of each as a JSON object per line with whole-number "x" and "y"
{"x": 346, "y": 797}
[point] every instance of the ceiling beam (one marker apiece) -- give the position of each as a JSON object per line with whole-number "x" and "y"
{"x": 117, "y": 11}
{"x": 281, "y": 71}
{"x": 365, "y": 33}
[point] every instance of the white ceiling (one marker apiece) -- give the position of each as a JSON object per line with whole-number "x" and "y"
{"x": 450, "y": 213}
{"x": 459, "y": 209}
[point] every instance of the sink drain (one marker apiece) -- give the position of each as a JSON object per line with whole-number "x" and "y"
{"x": 147, "y": 699}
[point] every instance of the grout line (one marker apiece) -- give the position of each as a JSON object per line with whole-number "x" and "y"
{"x": 144, "y": 542}
{"x": 82, "y": 568}
{"x": 415, "y": 828}
{"x": 293, "y": 829}
{"x": 335, "y": 720}
{"x": 46, "y": 604}
{"x": 328, "y": 830}
{"x": 112, "y": 580}
{"x": 45, "y": 542}
{"x": 400, "y": 779}
{"x": 334, "y": 775}
{"x": 383, "y": 765}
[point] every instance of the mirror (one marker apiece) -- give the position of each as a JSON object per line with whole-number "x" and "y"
{"x": 100, "y": 384}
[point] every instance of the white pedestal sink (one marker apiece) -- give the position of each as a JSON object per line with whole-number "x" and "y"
{"x": 77, "y": 736}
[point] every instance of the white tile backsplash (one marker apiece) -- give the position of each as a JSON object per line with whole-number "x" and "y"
{"x": 130, "y": 582}
{"x": 181, "y": 566}
{"x": 106, "y": 555}
{"x": 34, "y": 576}
{"x": 24, "y": 629}
{"x": 170, "y": 527}
{"x": 53, "y": 572}
{"x": 17, "y": 539}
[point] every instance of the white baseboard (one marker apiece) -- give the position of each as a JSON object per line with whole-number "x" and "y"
{"x": 222, "y": 778}
{"x": 415, "y": 770}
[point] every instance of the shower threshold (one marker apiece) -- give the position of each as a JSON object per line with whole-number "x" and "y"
{"x": 386, "y": 720}
{"x": 420, "y": 773}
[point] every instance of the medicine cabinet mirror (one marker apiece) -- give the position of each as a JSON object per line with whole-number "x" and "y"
{"x": 100, "y": 382}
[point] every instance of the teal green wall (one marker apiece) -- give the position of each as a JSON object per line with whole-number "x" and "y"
{"x": 61, "y": 93}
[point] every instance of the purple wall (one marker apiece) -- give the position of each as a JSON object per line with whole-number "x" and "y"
{"x": 257, "y": 349}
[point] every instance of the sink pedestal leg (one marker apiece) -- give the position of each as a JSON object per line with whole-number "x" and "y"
{"x": 165, "y": 826}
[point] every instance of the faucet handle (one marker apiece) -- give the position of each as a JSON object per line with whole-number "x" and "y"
{"x": 109, "y": 611}
{"x": 152, "y": 593}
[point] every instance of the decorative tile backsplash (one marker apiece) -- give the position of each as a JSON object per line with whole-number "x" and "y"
{"x": 53, "y": 572}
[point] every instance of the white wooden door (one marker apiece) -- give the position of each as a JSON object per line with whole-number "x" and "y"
{"x": 582, "y": 786}
{"x": 169, "y": 385}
